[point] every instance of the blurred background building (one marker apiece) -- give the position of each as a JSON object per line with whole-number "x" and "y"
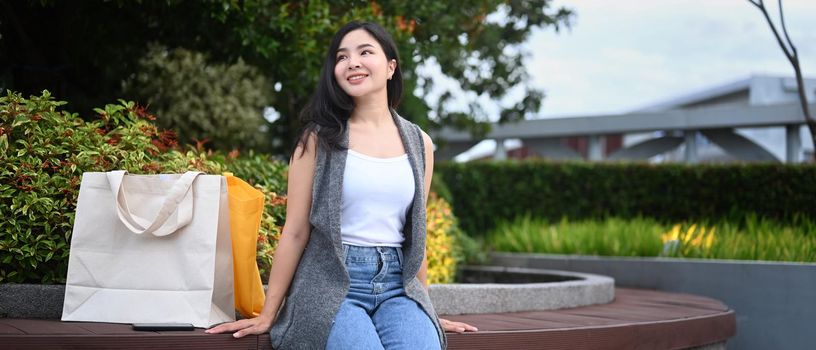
{"x": 754, "y": 119}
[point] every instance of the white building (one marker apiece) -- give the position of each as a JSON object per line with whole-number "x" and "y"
{"x": 755, "y": 119}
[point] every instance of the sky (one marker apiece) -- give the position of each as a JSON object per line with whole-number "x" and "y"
{"x": 622, "y": 55}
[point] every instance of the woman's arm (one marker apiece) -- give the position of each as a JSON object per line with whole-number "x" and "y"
{"x": 449, "y": 326}
{"x": 293, "y": 241}
{"x": 429, "y": 161}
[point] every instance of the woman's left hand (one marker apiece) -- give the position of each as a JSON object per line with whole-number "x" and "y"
{"x": 458, "y": 327}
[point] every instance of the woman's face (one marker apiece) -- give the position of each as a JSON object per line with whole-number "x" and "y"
{"x": 361, "y": 67}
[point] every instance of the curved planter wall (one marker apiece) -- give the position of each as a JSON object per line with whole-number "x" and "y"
{"x": 492, "y": 289}
{"x": 31, "y": 300}
{"x": 523, "y": 289}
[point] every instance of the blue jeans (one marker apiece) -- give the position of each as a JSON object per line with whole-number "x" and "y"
{"x": 376, "y": 313}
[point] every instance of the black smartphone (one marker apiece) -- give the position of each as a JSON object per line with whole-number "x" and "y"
{"x": 162, "y": 327}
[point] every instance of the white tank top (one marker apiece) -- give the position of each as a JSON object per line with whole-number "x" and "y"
{"x": 377, "y": 193}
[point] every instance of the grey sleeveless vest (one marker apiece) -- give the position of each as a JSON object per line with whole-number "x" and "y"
{"x": 321, "y": 281}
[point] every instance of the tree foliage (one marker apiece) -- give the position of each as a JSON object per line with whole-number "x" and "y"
{"x": 83, "y": 50}
{"x": 217, "y": 104}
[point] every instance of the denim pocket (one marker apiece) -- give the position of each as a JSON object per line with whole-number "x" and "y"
{"x": 400, "y": 258}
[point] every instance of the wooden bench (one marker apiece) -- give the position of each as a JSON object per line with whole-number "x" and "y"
{"x": 637, "y": 319}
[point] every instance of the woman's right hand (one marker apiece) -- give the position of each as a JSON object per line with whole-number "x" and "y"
{"x": 256, "y": 325}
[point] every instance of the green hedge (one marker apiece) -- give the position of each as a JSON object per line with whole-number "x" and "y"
{"x": 485, "y": 193}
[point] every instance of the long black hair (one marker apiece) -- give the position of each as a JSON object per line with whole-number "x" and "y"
{"x": 330, "y": 107}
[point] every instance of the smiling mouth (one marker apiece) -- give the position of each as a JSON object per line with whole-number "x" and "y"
{"x": 357, "y": 77}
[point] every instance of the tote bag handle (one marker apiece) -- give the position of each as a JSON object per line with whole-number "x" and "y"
{"x": 179, "y": 198}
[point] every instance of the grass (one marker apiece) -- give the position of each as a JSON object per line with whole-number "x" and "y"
{"x": 752, "y": 239}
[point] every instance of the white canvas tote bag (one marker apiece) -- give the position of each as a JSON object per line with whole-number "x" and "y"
{"x": 151, "y": 248}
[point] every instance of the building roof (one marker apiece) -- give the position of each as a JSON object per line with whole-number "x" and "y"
{"x": 756, "y": 90}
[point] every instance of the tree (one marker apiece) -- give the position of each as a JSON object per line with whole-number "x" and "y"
{"x": 793, "y": 57}
{"x": 221, "y": 104}
{"x": 85, "y": 49}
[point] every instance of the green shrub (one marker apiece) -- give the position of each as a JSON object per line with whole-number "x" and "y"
{"x": 609, "y": 237}
{"x": 485, "y": 193}
{"x": 752, "y": 238}
{"x": 439, "y": 187}
{"x": 220, "y": 103}
{"x": 257, "y": 169}
{"x": 44, "y": 153}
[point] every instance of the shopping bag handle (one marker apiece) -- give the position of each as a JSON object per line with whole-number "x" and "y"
{"x": 179, "y": 198}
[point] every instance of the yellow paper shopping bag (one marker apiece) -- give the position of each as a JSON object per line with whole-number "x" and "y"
{"x": 246, "y": 205}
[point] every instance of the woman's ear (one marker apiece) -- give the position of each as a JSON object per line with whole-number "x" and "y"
{"x": 392, "y": 67}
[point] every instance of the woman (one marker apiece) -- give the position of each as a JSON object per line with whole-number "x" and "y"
{"x": 351, "y": 262}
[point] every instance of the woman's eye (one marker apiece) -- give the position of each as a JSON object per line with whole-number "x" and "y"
{"x": 366, "y": 52}
{"x": 341, "y": 57}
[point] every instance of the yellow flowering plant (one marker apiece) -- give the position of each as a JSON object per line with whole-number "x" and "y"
{"x": 679, "y": 241}
{"x": 442, "y": 245}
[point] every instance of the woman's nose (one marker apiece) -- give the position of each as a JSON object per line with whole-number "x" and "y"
{"x": 353, "y": 63}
